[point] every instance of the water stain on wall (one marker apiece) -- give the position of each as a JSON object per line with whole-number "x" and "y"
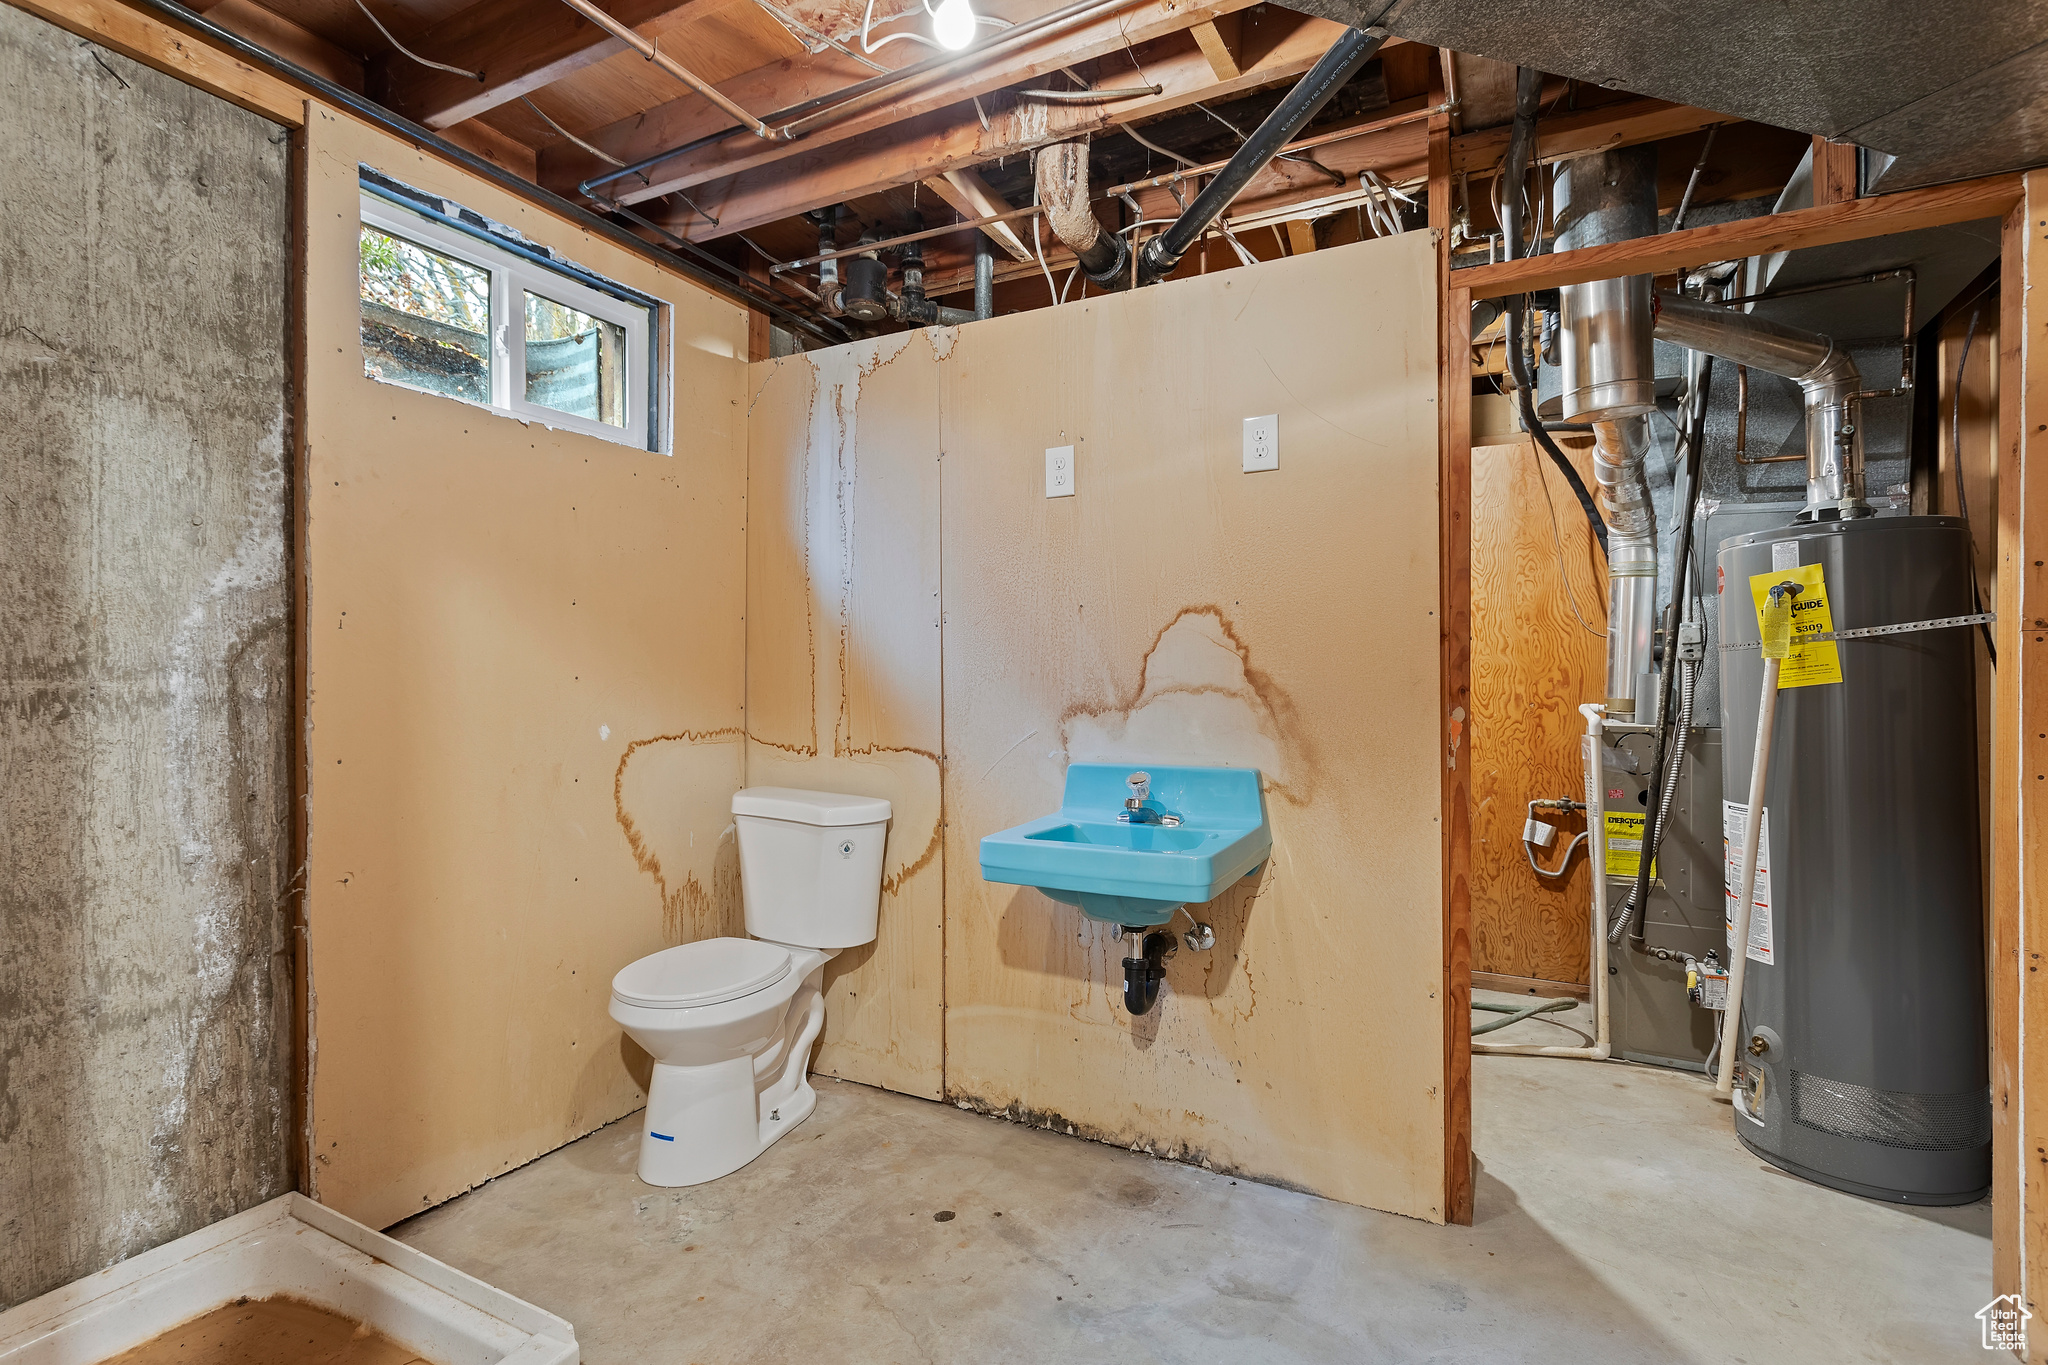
{"x": 1199, "y": 699}
{"x": 695, "y": 871}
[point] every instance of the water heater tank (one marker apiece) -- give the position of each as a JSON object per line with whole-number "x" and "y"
{"x": 1864, "y": 1060}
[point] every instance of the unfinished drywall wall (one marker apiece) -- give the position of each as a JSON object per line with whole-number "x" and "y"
{"x": 843, "y": 660}
{"x": 1179, "y": 610}
{"x": 525, "y": 654}
{"x": 145, "y": 657}
{"x": 1176, "y": 610}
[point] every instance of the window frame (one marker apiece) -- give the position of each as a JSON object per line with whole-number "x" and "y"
{"x": 513, "y": 274}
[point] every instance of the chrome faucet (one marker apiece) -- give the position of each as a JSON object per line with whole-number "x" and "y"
{"x": 1135, "y": 810}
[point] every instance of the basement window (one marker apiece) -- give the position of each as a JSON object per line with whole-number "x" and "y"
{"x": 456, "y": 305}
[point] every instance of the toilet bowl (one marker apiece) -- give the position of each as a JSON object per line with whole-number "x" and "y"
{"x": 730, "y": 1022}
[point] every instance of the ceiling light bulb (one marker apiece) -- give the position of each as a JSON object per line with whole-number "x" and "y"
{"x": 953, "y": 24}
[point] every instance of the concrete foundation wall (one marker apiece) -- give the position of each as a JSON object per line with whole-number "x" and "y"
{"x": 145, "y": 659}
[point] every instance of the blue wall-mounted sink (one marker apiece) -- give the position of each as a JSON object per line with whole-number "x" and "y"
{"x": 1130, "y": 873}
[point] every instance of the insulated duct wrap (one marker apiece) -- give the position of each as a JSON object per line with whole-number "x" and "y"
{"x": 1062, "y": 173}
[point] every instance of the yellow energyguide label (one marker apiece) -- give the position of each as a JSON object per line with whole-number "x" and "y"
{"x": 1808, "y": 664}
{"x": 1625, "y": 844}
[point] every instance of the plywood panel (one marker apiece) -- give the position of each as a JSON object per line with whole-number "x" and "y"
{"x": 843, "y": 660}
{"x": 1179, "y": 610}
{"x": 1533, "y": 661}
{"x": 525, "y": 654}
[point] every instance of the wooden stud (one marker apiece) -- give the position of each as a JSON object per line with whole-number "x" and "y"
{"x": 1877, "y": 216}
{"x": 1218, "y": 48}
{"x": 2019, "y": 799}
{"x": 1301, "y": 236}
{"x": 1834, "y": 172}
{"x": 1454, "y": 574}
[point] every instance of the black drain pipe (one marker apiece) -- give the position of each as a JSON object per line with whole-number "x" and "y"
{"x": 1143, "y": 974}
{"x": 1160, "y": 255}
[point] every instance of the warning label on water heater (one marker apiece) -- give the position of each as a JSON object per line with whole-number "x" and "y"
{"x": 1734, "y": 829}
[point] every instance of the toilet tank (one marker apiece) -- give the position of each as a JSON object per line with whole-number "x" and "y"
{"x": 810, "y": 865}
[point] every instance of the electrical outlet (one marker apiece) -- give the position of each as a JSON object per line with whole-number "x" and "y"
{"x": 1262, "y": 442}
{"x": 1059, "y": 472}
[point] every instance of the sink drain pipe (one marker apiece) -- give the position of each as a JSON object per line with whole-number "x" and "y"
{"x": 1142, "y": 974}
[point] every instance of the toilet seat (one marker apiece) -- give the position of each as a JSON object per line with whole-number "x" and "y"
{"x": 708, "y": 972}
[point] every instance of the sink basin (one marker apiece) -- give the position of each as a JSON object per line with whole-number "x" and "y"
{"x": 1137, "y": 874}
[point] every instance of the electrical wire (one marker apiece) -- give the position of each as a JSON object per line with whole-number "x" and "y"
{"x": 477, "y": 76}
{"x": 1039, "y": 248}
{"x": 806, "y": 34}
{"x": 867, "y": 21}
{"x": 1557, "y": 541}
{"x": 1143, "y": 141}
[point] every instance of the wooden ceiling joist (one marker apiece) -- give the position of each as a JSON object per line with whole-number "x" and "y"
{"x": 1624, "y": 123}
{"x": 519, "y": 45}
{"x": 782, "y": 84}
{"x": 807, "y": 176}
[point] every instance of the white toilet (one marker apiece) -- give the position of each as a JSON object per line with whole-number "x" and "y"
{"x": 730, "y": 1021}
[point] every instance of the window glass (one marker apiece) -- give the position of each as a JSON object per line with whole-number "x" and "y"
{"x": 575, "y": 363}
{"x": 426, "y": 318}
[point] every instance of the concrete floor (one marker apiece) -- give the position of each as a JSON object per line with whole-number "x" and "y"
{"x": 1617, "y": 1222}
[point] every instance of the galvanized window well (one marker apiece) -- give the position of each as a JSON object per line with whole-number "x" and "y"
{"x": 454, "y": 305}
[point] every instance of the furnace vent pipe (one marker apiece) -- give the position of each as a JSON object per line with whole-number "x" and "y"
{"x": 1610, "y": 381}
{"x": 1826, "y": 376}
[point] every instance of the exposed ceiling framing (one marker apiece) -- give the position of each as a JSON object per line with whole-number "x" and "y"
{"x": 555, "y": 98}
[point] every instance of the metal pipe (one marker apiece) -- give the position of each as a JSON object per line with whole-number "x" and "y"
{"x": 1091, "y": 96}
{"x": 884, "y": 243}
{"x": 1062, "y": 177}
{"x": 1350, "y": 52}
{"x": 1826, "y": 376}
{"x": 647, "y": 48}
{"x": 984, "y": 276}
{"x": 1619, "y": 449}
{"x": 1189, "y": 170}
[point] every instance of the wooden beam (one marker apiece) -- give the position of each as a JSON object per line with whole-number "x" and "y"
{"x": 500, "y": 149}
{"x": 290, "y": 41}
{"x": 971, "y": 197}
{"x": 1301, "y": 237}
{"x": 1454, "y": 607}
{"x": 1625, "y": 123}
{"x": 2019, "y": 792}
{"x": 156, "y": 44}
{"x": 1217, "y": 47}
{"x": 808, "y": 175}
{"x": 519, "y": 45}
{"x": 784, "y": 83}
{"x": 1834, "y": 172}
{"x": 1906, "y": 211}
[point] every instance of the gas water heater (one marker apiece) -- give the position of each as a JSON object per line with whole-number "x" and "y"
{"x": 1863, "y": 1060}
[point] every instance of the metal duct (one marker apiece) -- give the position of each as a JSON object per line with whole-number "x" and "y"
{"x": 1610, "y": 380}
{"x": 1062, "y": 173}
{"x": 1826, "y": 376}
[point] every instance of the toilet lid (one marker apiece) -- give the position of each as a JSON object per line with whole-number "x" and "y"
{"x": 701, "y": 973}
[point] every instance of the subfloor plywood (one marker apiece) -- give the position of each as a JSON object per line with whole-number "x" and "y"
{"x": 1178, "y": 610}
{"x": 525, "y": 653}
{"x": 1539, "y": 593}
{"x": 843, "y": 660}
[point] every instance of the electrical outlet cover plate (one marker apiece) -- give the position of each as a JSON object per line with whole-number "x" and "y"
{"x": 1059, "y": 472}
{"x": 1261, "y": 443}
